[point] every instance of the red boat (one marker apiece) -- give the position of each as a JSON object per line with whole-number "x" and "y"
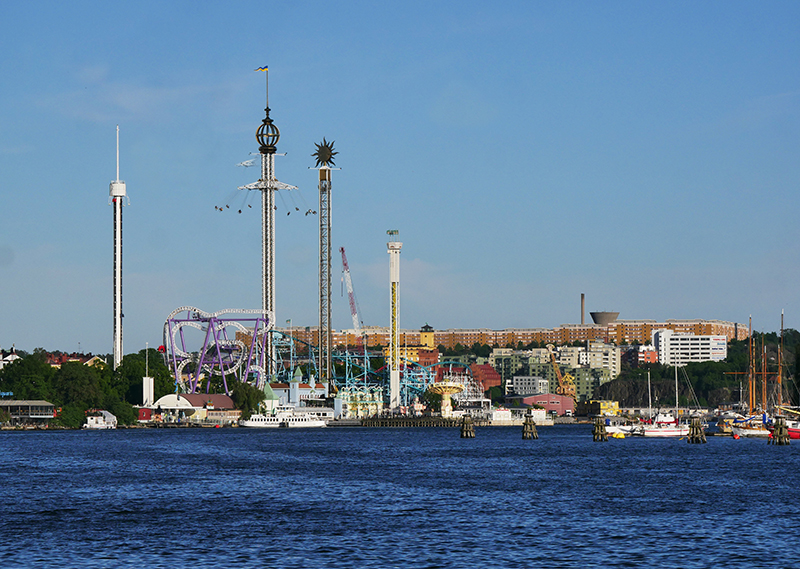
{"x": 794, "y": 429}
{"x": 793, "y": 424}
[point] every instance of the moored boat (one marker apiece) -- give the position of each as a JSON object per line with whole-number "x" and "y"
{"x": 622, "y": 428}
{"x": 100, "y": 420}
{"x": 665, "y": 425}
{"x": 755, "y": 426}
{"x": 793, "y": 424}
{"x": 794, "y": 429}
{"x": 283, "y": 417}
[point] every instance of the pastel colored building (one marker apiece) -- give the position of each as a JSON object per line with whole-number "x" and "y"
{"x": 552, "y": 403}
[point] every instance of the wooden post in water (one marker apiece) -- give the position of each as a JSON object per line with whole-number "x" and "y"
{"x": 529, "y": 429}
{"x": 780, "y": 434}
{"x": 467, "y": 428}
{"x": 599, "y": 434}
{"x": 696, "y": 433}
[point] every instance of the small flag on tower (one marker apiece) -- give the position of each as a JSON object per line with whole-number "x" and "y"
{"x": 262, "y": 68}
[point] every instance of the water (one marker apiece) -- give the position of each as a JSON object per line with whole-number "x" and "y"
{"x": 364, "y": 498}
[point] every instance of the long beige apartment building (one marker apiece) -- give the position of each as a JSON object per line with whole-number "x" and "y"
{"x": 619, "y": 332}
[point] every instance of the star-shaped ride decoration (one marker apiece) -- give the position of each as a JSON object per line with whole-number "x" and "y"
{"x": 325, "y": 153}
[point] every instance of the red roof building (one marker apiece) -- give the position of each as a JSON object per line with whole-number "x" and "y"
{"x": 487, "y": 375}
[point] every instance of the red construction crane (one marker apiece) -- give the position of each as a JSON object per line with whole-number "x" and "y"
{"x": 352, "y": 297}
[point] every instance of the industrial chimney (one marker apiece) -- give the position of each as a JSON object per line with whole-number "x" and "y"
{"x": 583, "y": 308}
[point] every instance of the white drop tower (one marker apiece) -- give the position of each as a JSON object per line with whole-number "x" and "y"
{"x": 393, "y": 248}
{"x": 117, "y": 196}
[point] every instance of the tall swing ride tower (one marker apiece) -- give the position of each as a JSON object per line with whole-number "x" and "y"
{"x": 117, "y": 196}
{"x": 267, "y": 136}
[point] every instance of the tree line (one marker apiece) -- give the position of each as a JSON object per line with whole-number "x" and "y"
{"x": 75, "y": 388}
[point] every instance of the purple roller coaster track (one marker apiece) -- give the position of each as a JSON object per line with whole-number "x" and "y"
{"x": 232, "y": 347}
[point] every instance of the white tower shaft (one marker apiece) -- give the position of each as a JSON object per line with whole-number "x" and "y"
{"x": 118, "y": 195}
{"x": 268, "y": 251}
{"x": 394, "y": 248}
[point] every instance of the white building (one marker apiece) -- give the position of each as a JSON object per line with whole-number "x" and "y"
{"x": 8, "y": 359}
{"x": 680, "y": 349}
{"x": 528, "y": 385}
{"x": 596, "y": 355}
{"x": 602, "y": 355}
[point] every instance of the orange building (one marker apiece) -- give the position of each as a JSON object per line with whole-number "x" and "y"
{"x": 620, "y": 332}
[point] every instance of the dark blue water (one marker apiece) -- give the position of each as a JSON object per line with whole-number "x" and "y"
{"x": 359, "y": 498}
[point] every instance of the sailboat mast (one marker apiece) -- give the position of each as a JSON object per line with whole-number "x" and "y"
{"x": 763, "y": 375}
{"x": 780, "y": 365}
{"x": 649, "y": 398}
{"x": 676, "y": 394}
{"x": 751, "y": 382}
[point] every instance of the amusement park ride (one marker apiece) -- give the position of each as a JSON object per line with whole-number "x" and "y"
{"x": 208, "y": 351}
{"x": 204, "y": 349}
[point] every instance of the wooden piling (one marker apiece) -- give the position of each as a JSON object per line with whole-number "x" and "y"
{"x": 780, "y": 433}
{"x": 599, "y": 434}
{"x": 529, "y": 429}
{"x": 467, "y": 428}
{"x": 696, "y": 433}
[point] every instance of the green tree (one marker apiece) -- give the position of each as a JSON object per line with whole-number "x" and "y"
{"x": 72, "y": 415}
{"x": 432, "y": 401}
{"x": 481, "y": 350}
{"x": 495, "y": 394}
{"x": 29, "y": 377}
{"x": 127, "y": 379}
{"x": 247, "y": 398}
{"x": 79, "y": 384}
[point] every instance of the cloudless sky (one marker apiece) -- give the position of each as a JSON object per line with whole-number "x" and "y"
{"x": 643, "y": 153}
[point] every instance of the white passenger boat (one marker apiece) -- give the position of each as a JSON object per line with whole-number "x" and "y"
{"x": 100, "y": 420}
{"x": 283, "y": 417}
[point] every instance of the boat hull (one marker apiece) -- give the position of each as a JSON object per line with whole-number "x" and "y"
{"x": 680, "y": 431}
{"x": 624, "y": 430}
{"x": 282, "y": 421}
{"x": 761, "y": 432}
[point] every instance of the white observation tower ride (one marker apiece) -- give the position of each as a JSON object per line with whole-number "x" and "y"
{"x": 393, "y": 248}
{"x": 118, "y": 196}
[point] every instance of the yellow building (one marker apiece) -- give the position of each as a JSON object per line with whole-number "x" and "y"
{"x": 425, "y": 344}
{"x": 596, "y": 407}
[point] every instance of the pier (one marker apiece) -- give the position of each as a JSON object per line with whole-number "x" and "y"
{"x": 419, "y": 422}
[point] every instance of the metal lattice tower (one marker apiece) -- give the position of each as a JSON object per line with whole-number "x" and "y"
{"x": 118, "y": 195}
{"x": 325, "y": 159}
{"x": 394, "y": 248}
{"x": 325, "y": 337}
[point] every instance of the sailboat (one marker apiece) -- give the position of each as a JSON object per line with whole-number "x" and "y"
{"x": 755, "y": 426}
{"x": 665, "y": 424}
{"x": 758, "y": 424}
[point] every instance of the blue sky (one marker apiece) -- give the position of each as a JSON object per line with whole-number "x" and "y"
{"x": 645, "y": 154}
